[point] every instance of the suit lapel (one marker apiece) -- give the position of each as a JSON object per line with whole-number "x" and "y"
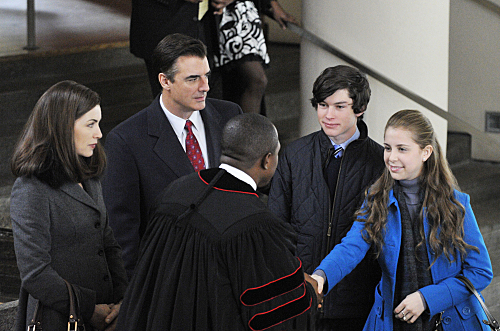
{"x": 213, "y": 132}
{"x": 167, "y": 147}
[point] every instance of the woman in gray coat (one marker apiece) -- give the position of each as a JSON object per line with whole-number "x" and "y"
{"x": 59, "y": 220}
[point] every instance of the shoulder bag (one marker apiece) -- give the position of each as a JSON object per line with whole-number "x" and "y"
{"x": 491, "y": 322}
{"x": 74, "y": 313}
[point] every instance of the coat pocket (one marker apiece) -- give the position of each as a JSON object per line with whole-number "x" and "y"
{"x": 375, "y": 320}
{"x": 465, "y": 316}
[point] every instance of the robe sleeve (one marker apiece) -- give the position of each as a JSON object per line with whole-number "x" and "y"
{"x": 267, "y": 279}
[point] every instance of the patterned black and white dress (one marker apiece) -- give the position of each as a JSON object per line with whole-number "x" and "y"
{"x": 241, "y": 34}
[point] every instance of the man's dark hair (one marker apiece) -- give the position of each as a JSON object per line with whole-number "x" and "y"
{"x": 342, "y": 77}
{"x": 173, "y": 46}
{"x": 246, "y": 138}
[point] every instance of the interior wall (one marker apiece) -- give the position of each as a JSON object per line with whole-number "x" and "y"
{"x": 404, "y": 40}
{"x": 474, "y": 70}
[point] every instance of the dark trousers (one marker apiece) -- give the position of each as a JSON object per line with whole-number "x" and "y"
{"x": 340, "y": 324}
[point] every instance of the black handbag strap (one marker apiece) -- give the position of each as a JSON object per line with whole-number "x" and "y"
{"x": 492, "y": 322}
{"x": 36, "y": 321}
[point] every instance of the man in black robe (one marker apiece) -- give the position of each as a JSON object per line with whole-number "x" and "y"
{"x": 213, "y": 256}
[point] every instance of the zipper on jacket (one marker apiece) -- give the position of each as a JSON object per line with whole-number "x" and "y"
{"x": 325, "y": 165}
{"x": 330, "y": 217}
{"x": 332, "y": 208}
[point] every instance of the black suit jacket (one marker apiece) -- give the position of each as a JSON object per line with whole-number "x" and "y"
{"x": 152, "y": 20}
{"x": 144, "y": 156}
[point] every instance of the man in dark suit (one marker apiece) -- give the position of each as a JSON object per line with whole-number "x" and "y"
{"x": 151, "y": 20}
{"x": 148, "y": 151}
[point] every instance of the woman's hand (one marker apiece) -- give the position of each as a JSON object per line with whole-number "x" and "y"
{"x": 410, "y": 308}
{"x": 281, "y": 16}
{"x": 101, "y": 311}
{"x": 112, "y": 316}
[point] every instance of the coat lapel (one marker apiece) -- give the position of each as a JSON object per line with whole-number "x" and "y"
{"x": 167, "y": 147}
{"x": 91, "y": 199}
{"x": 213, "y": 132}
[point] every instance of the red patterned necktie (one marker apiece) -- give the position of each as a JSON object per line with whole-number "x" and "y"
{"x": 193, "y": 149}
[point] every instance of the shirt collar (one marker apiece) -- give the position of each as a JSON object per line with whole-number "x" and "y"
{"x": 355, "y": 136}
{"x": 240, "y": 174}
{"x": 178, "y": 123}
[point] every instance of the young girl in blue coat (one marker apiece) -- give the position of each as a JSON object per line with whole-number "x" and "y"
{"x": 425, "y": 233}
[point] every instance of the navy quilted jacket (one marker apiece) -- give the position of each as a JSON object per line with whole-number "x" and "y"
{"x": 299, "y": 194}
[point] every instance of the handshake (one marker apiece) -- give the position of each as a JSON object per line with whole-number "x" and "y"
{"x": 317, "y": 283}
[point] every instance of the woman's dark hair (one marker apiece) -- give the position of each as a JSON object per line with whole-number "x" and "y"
{"x": 46, "y": 147}
{"x": 342, "y": 77}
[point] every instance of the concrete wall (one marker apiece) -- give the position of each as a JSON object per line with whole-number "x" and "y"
{"x": 406, "y": 41}
{"x": 474, "y": 71}
{"x": 409, "y": 42}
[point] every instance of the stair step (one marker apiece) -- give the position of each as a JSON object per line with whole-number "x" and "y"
{"x": 458, "y": 147}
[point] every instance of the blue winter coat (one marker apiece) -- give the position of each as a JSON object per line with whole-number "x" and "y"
{"x": 462, "y": 311}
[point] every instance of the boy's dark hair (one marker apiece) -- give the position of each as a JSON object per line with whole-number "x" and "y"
{"x": 342, "y": 77}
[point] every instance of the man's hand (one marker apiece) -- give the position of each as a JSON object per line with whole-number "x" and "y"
{"x": 314, "y": 283}
{"x": 410, "y": 308}
{"x": 281, "y": 16}
{"x": 219, "y": 5}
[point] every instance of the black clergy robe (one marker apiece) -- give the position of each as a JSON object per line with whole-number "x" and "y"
{"x": 226, "y": 264}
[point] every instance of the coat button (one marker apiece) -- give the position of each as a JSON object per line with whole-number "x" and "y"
{"x": 466, "y": 310}
{"x": 447, "y": 320}
{"x": 105, "y": 278}
{"x": 97, "y": 225}
{"x": 195, "y": 18}
{"x": 379, "y": 309}
{"x": 100, "y": 252}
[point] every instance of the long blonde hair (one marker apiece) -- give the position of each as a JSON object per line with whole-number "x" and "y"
{"x": 444, "y": 213}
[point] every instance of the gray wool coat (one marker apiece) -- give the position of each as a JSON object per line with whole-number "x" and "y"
{"x": 64, "y": 234}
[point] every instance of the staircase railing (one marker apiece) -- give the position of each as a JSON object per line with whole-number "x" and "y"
{"x": 487, "y": 140}
{"x": 489, "y": 5}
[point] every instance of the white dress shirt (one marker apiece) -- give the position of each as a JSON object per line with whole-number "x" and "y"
{"x": 178, "y": 124}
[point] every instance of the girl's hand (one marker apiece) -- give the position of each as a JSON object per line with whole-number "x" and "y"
{"x": 410, "y": 308}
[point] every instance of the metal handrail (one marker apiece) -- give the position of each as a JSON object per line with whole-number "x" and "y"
{"x": 491, "y": 6}
{"x": 390, "y": 83}
{"x": 30, "y": 12}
